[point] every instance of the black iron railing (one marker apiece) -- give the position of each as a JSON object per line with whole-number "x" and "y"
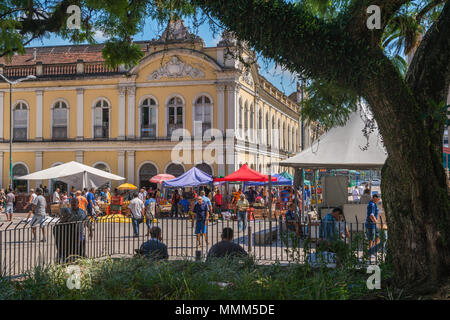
{"x": 22, "y": 247}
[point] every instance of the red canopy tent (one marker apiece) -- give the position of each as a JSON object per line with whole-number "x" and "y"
{"x": 245, "y": 174}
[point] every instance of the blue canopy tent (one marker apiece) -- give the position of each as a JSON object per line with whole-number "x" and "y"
{"x": 192, "y": 178}
{"x": 281, "y": 181}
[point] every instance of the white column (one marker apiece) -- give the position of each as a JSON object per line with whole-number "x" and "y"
{"x": 130, "y": 166}
{"x": 121, "y": 163}
{"x": 39, "y": 103}
{"x": 131, "y": 112}
{"x": 121, "y": 114}
{"x": 1, "y": 169}
{"x": 80, "y": 114}
{"x": 221, "y": 107}
{"x": 38, "y": 165}
{"x": 2, "y": 99}
{"x": 231, "y": 110}
{"x": 79, "y": 156}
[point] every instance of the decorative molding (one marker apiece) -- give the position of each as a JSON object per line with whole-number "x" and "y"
{"x": 131, "y": 91}
{"x": 247, "y": 78}
{"x": 176, "y": 68}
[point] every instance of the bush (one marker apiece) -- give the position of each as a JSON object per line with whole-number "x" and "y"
{"x": 140, "y": 278}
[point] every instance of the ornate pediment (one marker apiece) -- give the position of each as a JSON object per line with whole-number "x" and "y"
{"x": 247, "y": 77}
{"x": 176, "y": 68}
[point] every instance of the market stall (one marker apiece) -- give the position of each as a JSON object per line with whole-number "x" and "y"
{"x": 248, "y": 175}
{"x": 342, "y": 148}
{"x": 191, "y": 178}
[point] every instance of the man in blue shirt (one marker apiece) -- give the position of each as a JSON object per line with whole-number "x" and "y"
{"x": 307, "y": 198}
{"x": 201, "y": 211}
{"x": 329, "y": 227}
{"x": 292, "y": 220}
{"x": 91, "y": 202}
{"x": 185, "y": 204}
{"x": 371, "y": 220}
{"x": 154, "y": 248}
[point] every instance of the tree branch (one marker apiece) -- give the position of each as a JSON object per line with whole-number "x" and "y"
{"x": 425, "y": 75}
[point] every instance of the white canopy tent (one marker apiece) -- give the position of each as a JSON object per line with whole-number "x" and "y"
{"x": 342, "y": 148}
{"x": 74, "y": 173}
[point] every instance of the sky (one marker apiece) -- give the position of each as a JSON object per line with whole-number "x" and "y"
{"x": 282, "y": 79}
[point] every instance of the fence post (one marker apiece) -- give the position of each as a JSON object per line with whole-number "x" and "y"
{"x": 198, "y": 255}
{"x": 250, "y": 238}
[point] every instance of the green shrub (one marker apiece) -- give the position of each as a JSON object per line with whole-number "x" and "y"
{"x": 140, "y": 278}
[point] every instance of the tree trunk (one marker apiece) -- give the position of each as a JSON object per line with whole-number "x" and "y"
{"x": 417, "y": 216}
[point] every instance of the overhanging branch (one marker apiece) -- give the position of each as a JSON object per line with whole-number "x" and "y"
{"x": 425, "y": 75}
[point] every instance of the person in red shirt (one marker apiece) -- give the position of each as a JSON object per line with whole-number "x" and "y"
{"x": 218, "y": 202}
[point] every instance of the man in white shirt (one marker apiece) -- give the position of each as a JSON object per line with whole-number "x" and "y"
{"x": 355, "y": 195}
{"x": 136, "y": 206}
{"x": 31, "y": 202}
{"x": 56, "y": 199}
{"x": 142, "y": 194}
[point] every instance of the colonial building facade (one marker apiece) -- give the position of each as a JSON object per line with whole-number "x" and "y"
{"x": 125, "y": 121}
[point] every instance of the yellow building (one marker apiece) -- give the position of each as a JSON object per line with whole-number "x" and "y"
{"x": 123, "y": 121}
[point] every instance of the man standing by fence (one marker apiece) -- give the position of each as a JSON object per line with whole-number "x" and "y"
{"x": 39, "y": 216}
{"x": 242, "y": 207}
{"x": 137, "y": 209}
{"x": 201, "y": 211}
{"x": 10, "y": 199}
{"x": 70, "y": 236}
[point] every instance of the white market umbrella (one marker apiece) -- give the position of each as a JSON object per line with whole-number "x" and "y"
{"x": 74, "y": 173}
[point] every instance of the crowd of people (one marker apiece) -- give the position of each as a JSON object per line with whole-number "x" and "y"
{"x": 82, "y": 204}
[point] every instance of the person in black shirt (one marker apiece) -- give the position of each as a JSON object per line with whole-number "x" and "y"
{"x": 226, "y": 247}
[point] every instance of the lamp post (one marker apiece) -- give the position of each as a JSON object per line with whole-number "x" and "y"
{"x": 11, "y": 83}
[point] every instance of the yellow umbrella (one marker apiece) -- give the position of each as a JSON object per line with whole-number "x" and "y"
{"x": 127, "y": 186}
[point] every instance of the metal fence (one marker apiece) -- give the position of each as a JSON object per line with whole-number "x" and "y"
{"x": 265, "y": 240}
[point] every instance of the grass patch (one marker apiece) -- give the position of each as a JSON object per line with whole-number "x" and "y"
{"x": 140, "y": 278}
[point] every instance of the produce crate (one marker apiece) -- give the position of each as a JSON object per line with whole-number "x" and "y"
{"x": 117, "y": 200}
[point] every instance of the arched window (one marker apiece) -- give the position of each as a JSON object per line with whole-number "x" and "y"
{"x": 103, "y": 167}
{"x": 146, "y": 172}
{"x": 252, "y": 117}
{"x": 267, "y": 128}
{"x": 101, "y": 119}
{"x": 273, "y": 131}
{"x": 241, "y": 111}
{"x": 60, "y": 116}
{"x": 148, "y": 118}
{"x": 205, "y": 168}
{"x": 175, "y": 112}
{"x": 246, "y": 118}
{"x": 284, "y": 136}
{"x": 20, "y": 122}
{"x": 18, "y": 171}
{"x": 280, "y": 134}
{"x": 202, "y": 116}
{"x": 260, "y": 126}
{"x": 289, "y": 138}
{"x": 54, "y": 183}
{"x": 175, "y": 169}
